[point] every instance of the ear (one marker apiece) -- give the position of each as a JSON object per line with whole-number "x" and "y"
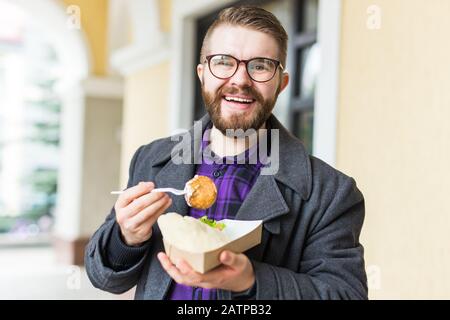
{"x": 284, "y": 81}
{"x": 200, "y": 70}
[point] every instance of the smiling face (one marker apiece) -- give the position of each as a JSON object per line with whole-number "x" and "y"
{"x": 240, "y": 102}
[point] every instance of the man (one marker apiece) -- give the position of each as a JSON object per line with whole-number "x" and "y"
{"x": 312, "y": 213}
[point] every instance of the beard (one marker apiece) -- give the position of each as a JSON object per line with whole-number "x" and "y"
{"x": 259, "y": 115}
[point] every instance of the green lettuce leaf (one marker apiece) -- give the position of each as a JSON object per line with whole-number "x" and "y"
{"x": 212, "y": 223}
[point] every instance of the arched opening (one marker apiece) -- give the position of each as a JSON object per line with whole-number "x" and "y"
{"x": 43, "y": 62}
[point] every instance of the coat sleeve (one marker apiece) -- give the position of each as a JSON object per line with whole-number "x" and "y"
{"x": 332, "y": 264}
{"x": 98, "y": 268}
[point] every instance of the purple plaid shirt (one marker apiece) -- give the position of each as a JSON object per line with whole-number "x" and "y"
{"x": 233, "y": 180}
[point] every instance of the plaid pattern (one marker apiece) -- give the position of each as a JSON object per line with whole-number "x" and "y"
{"x": 233, "y": 178}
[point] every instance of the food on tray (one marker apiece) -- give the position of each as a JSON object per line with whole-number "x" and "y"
{"x": 190, "y": 234}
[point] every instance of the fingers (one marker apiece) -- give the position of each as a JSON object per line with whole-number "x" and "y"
{"x": 221, "y": 277}
{"x": 151, "y": 213}
{"x": 187, "y": 271}
{"x": 231, "y": 259}
{"x": 133, "y": 193}
{"x": 143, "y": 202}
{"x": 182, "y": 272}
{"x": 137, "y": 210}
{"x": 170, "y": 268}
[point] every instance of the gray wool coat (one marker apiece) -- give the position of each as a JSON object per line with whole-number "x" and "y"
{"x": 312, "y": 213}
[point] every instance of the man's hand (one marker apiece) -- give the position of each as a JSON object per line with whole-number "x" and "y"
{"x": 236, "y": 274}
{"x": 137, "y": 210}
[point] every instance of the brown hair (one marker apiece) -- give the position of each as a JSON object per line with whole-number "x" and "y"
{"x": 251, "y": 17}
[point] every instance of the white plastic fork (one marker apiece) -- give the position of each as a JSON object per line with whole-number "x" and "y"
{"x": 171, "y": 190}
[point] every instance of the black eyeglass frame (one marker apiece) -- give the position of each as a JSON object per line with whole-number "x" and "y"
{"x": 246, "y": 62}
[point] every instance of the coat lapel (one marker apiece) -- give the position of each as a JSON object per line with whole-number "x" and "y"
{"x": 264, "y": 202}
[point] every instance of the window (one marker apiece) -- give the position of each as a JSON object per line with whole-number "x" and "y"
{"x": 303, "y": 70}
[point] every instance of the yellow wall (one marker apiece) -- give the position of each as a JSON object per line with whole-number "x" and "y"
{"x": 94, "y": 22}
{"x": 394, "y": 138}
{"x": 145, "y": 115}
{"x": 165, "y": 9}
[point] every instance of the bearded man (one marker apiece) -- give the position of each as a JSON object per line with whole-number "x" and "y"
{"x": 312, "y": 214}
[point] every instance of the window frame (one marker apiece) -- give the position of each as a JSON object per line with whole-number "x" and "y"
{"x": 300, "y": 40}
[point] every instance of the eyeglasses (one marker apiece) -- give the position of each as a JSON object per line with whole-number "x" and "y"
{"x": 224, "y": 66}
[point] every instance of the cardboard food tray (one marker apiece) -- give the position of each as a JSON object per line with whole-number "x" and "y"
{"x": 243, "y": 234}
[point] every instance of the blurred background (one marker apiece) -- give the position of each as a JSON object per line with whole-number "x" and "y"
{"x": 83, "y": 83}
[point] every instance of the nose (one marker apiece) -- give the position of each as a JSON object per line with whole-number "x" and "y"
{"x": 241, "y": 77}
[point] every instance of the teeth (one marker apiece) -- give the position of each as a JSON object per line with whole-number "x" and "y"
{"x": 238, "y": 99}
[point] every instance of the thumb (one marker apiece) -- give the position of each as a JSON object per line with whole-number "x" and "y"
{"x": 229, "y": 258}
